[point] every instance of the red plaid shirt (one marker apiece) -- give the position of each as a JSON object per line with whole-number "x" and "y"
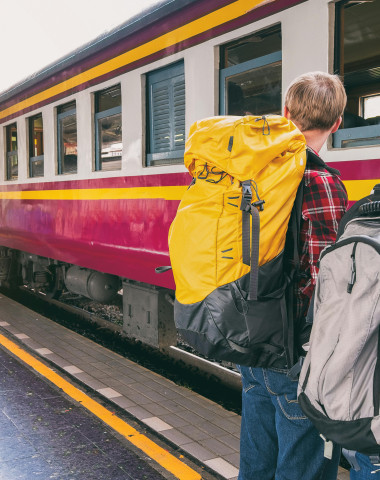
{"x": 324, "y": 203}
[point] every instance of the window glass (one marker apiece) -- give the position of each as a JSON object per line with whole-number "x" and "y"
{"x": 109, "y": 143}
{"x": 11, "y": 154}
{"x": 357, "y": 60}
{"x": 166, "y": 115}
{"x": 371, "y": 106}
{"x": 252, "y": 47}
{"x": 251, "y": 74}
{"x": 108, "y": 98}
{"x": 36, "y": 146}
{"x": 67, "y": 138}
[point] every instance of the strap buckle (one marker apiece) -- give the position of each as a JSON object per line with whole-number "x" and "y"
{"x": 246, "y": 197}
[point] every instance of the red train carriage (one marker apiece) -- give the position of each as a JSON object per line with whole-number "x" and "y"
{"x": 92, "y": 146}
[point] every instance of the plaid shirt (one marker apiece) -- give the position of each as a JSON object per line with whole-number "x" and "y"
{"x": 324, "y": 203}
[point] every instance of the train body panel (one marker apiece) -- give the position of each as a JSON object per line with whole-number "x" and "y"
{"x": 118, "y": 226}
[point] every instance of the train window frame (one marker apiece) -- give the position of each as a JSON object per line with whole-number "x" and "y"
{"x": 34, "y": 159}
{"x": 364, "y": 133}
{"x": 11, "y": 154}
{"x": 63, "y": 113}
{"x": 171, "y": 79}
{"x": 98, "y": 117}
{"x": 274, "y": 58}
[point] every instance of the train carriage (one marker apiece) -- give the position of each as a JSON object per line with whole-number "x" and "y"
{"x": 91, "y": 147}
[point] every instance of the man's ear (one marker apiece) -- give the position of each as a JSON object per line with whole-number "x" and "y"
{"x": 336, "y": 125}
{"x": 286, "y": 112}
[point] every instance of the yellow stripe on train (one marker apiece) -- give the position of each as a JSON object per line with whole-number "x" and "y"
{"x": 358, "y": 189}
{"x": 166, "y": 193}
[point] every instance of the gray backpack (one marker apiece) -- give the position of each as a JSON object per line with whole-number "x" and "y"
{"x": 339, "y": 385}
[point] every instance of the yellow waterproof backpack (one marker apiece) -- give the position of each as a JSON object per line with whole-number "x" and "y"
{"x": 227, "y": 240}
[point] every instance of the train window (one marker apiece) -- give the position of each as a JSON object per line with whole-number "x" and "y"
{"x": 166, "y": 115}
{"x": 11, "y": 154}
{"x": 108, "y": 132}
{"x": 67, "y": 138}
{"x": 36, "y": 146}
{"x": 357, "y": 60}
{"x": 250, "y": 74}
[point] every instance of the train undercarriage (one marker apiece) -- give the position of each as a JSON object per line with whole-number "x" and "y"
{"x": 147, "y": 309}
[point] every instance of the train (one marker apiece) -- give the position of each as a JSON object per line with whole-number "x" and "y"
{"x": 91, "y": 147}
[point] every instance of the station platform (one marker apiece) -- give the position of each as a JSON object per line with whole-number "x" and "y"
{"x": 199, "y": 428}
{"x": 45, "y": 435}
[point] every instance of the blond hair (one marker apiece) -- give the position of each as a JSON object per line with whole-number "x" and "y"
{"x": 316, "y": 100}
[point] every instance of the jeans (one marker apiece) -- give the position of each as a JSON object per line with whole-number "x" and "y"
{"x": 366, "y": 469}
{"x": 277, "y": 441}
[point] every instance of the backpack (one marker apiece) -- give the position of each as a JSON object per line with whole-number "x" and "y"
{"x": 227, "y": 240}
{"x": 339, "y": 385}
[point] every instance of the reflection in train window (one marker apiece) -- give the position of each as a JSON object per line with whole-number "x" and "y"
{"x": 108, "y": 131}
{"x": 36, "y": 146}
{"x": 11, "y": 153}
{"x": 67, "y": 138}
{"x": 357, "y": 60}
{"x": 250, "y": 75}
{"x": 166, "y": 115}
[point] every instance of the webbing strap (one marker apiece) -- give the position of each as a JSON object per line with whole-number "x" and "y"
{"x": 351, "y": 458}
{"x": 245, "y": 207}
{"x": 248, "y": 350}
{"x": 255, "y": 248}
{"x": 250, "y": 239}
{"x": 246, "y": 237}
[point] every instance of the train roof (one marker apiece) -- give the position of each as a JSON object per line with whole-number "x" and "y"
{"x": 143, "y": 20}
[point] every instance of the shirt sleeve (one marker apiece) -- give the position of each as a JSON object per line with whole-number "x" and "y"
{"x": 324, "y": 203}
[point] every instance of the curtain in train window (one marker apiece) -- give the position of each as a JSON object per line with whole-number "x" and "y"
{"x": 250, "y": 74}
{"x": 36, "y": 146}
{"x": 67, "y": 138}
{"x": 166, "y": 115}
{"x": 108, "y": 131}
{"x": 357, "y": 61}
{"x": 11, "y": 154}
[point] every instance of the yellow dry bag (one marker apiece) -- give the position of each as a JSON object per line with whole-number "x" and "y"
{"x": 227, "y": 240}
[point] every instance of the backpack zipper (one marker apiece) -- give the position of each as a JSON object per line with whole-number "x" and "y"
{"x": 376, "y": 380}
{"x": 353, "y": 270}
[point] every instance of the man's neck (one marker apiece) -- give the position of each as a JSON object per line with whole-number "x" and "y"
{"x": 315, "y": 139}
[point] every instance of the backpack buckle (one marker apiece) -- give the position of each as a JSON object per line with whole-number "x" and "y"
{"x": 246, "y": 197}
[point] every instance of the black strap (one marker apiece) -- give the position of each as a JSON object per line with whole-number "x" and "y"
{"x": 295, "y": 371}
{"x": 245, "y": 207}
{"x": 374, "y": 459}
{"x": 250, "y": 237}
{"x": 255, "y": 248}
{"x": 257, "y": 346}
{"x": 292, "y": 256}
{"x": 295, "y": 224}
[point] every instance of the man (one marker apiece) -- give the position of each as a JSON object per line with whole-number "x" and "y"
{"x": 277, "y": 440}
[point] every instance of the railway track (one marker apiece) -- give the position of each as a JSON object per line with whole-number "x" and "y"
{"x": 210, "y": 379}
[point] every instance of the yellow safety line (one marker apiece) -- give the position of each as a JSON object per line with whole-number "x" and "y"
{"x": 230, "y": 12}
{"x": 167, "y": 193}
{"x": 160, "y": 455}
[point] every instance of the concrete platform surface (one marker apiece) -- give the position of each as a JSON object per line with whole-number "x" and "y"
{"x": 199, "y": 427}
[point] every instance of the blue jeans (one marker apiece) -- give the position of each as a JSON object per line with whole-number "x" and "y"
{"x": 277, "y": 441}
{"x": 366, "y": 469}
